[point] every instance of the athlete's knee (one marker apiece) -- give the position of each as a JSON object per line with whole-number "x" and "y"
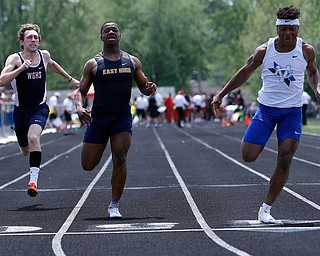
{"x": 33, "y": 139}
{"x": 249, "y": 156}
{"x": 248, "y": 153}
{"x": 87, "y": 166}
{"x": 120, "y": 157}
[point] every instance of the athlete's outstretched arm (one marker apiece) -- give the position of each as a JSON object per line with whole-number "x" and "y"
{"x": 84, "y": 86}
{"x": 240, "y": 77}
{"x": 56, "y": 68}
{"x": 312, "y": 71}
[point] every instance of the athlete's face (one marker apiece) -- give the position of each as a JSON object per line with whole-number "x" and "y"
{"x": 31, "y": 40}
{"x": 110, "y": 33}
{"x": 287, "y": 34}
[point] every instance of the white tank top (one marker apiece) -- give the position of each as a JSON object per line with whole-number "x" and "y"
{"x": 282, "y": 77}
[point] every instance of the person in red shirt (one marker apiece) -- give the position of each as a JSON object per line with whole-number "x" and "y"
{"x": 169, "y": 105}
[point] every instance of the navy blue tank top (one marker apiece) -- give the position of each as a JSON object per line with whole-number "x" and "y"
{"x": 30, "y": 85}
{"x": 113, "y": 84}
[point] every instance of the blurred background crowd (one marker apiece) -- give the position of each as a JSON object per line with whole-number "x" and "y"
{"x": 180, "y": 108}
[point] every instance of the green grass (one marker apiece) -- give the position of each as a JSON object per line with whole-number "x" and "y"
{"x": 312, "y": 127}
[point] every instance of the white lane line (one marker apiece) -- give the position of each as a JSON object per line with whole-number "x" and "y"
{"x": 19, "y": 153}
{"x": 135, "y": 226}
{"x": 266, "y": 228}
{"x": 196, "y": 212}
{"x": 43, "y": 165}
{"x": 56, "y": 242}
{"x": 254, "y": 171}
{"x": 16, "y": 229}
{"x": 269, "y": 149}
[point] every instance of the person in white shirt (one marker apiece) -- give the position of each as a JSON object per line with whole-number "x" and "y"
{"x": 284, "y": 60}
{"x": 197, "y": 100}
{"x": 68, "y": 106}
{"x": 53, "y": 106}
{"x": 142, "y": 104}
{"x": 181, "y": 103}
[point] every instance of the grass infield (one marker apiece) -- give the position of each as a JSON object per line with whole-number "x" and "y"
{"x": 313, "y": 127}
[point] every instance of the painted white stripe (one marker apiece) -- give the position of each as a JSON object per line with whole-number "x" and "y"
{"x": 19, "y": 153}
{"x": 16, "y": 229}
{"x": 275, "y": 152}
{"x": 253, "y": 229}
{"x": 135, "y": 226}
{"x": 254, "y": 171}
{"x": 196, "y": 212}
{"x": 296, "y": 158}
{"x": 43, "y": 165}
{"x": 56, "y": 242}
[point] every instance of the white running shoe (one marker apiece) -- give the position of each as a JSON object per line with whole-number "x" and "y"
{"x": 265, "y": 216}
{"x": 113, "y": 211}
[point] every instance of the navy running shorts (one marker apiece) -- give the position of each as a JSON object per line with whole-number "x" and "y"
{"x": 288, "y": 123}
{"x": 24, "y": 117}
{"x": 105, "y": 125}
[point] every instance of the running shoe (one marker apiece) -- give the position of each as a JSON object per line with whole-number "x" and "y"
{"x": 32, "y": 189}
{"x": 265, "y": 216}
{"x": 113, "y": 211}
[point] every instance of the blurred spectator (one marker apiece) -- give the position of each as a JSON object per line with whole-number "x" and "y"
{"x": 180, "y": 103}
{"x": 306, "y": 99}
{"x": 153, "y": 112}
{"x": 168, "y": 102}
{"x": 142, "y": 105}
{"x": 251, "y": 111}
{"x": 53, "y": 108}
{"x": 68, "y": 106}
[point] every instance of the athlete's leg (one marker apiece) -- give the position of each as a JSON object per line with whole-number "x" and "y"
{"x": 286, "y": 150}
{"x": 257, "y": 134}
{"x": 250, "y": 151}
{"x": 120, "y": 144}
{"x": 25, "y": 150}
{"x": 91, "y": 155}
{"x": 288, "y": 133}
{"x": 34, "y": 135}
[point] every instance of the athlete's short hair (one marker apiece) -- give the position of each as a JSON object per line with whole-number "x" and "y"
{"x": 288, "y": 12}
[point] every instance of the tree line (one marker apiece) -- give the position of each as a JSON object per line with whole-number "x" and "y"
{"x": 176, "y": 40}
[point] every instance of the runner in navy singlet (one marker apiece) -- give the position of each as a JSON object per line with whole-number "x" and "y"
{"x": 285, "y": 59}
{"x": 26, "y": 71}
{"x": 111, "y": 72}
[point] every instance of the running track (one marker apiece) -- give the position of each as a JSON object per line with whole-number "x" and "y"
{"x": 187, "y": 193}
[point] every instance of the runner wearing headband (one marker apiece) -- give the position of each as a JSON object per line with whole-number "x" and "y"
{"x": 285, "y": 59}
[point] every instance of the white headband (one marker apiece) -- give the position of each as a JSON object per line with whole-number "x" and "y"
{"x": 287, "y": 22}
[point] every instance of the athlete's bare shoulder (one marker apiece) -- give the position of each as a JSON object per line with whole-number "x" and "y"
{"x": 90, "y": 67}
{"x": 259, "y": 53}
{"x": 45, "y": 54}
{"x": 13, "y": 61}
{"x": 136, "y": 62}
{"x": 308, "y": 50}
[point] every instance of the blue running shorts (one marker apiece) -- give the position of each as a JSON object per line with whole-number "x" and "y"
{"x": 287, "y": 120}
{"x": 24, "y": 117}
{"x": 105, "y": 125}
